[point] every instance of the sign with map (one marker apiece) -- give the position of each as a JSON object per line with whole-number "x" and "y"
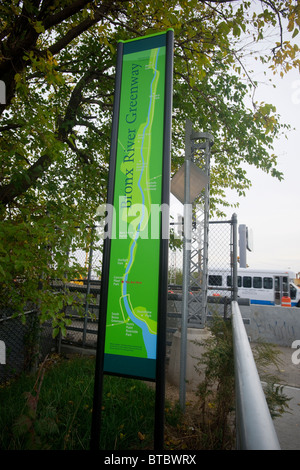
{"x": 134, "y": 261}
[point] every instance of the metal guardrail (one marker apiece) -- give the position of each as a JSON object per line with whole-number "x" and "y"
{"x": 255, "y": 429}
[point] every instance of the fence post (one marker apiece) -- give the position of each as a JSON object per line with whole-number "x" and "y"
{"x": 88, "y": 287}
{"x": 234, "y": 257}
{"x": 186, "y": 263}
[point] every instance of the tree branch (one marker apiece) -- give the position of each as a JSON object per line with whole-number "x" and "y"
{"x": 66, "y": 125}
{"x": 72, "y": 34}
{"x": 9, "y": 127}
{"x": 274, "y": 8}
{"x": 21, "y": 183}
{"x": 90, "y": 126}
{"x": 23, "y": 38}
{"x": 81, "y": 154}
{"x": 63, "y": 14}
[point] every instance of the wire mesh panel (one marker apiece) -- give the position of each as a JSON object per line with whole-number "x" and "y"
{"x": 174, "y": 305}
{"x": 88, "y": 256}
{"x": 83, "y": 312}
{"x": 25, "y": 343}
{"x": 219, "y": 273}
{"x": 175, "y": 269}
{"x": 219, "y": 258}
{"x": 198, "y": 263}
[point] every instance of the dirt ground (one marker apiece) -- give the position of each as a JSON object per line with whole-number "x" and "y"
{"x": 172, "y": 394}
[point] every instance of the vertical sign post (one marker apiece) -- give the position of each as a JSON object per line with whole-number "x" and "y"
{"x": 134, "y": 282}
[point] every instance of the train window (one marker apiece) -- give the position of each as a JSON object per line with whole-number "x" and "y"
{"x": 214, "y": 280}
{"x": 293, "y": 292}
{"x": 229, "y": 281}
{"x": 268, "y": 283}
{"x": 247, "y": 281}
{"x": 285, "y": 284}
{"x": 257, "y": 282}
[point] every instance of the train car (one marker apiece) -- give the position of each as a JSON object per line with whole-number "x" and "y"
{"x": 260, "y": 286}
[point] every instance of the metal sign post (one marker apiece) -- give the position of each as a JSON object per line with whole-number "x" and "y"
{"x": 134, "y": 282}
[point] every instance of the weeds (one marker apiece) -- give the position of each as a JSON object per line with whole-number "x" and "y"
{"x": 216, "y": 391}
{"x": 32, "y": 427}
{"x": 53, "y": 410}
{"x": 264, "y": 355}
{"x": 56, "y": 409}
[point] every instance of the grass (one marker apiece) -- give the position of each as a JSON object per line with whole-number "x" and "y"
{"x": 53, "y": 409}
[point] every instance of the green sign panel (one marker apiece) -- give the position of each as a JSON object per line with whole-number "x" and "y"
{"x": 135, "y": 246}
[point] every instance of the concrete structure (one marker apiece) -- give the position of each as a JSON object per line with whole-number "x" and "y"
{"x": 194, "y": 351}
{"x": 272, "y": 324}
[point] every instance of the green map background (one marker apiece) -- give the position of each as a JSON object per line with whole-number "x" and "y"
{"x": 145, "y": 268}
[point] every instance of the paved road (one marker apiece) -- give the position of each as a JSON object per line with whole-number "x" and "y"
{"x": 288, "y": 425}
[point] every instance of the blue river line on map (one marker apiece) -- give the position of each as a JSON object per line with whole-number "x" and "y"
{"x": 149, "y": 338}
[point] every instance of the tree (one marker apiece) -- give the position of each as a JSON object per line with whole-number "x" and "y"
{"x": 57, "y": 62}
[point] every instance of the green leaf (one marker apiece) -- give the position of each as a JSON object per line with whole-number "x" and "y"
{"x": 55, "y": 149}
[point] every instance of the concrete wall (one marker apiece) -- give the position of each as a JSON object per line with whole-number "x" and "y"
{"x": 194, "y": 351}
{"x": 272, "y": 324}
{"x": 276, "y": 325}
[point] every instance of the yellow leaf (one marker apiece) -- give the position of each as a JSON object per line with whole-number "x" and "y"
{"x": 141, "y": 436}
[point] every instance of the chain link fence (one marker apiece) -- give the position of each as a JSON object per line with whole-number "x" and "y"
{"x": 24, "y": 343}
{"x": 219, "y": 276}
{"x": 220, "y": 266}
{"x": 84, "y": 324}
{"x": 25, "y": 340}
{"x": 18, "y": 338}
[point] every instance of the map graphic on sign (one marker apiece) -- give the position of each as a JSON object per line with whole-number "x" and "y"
{"x": 132, "y": 304}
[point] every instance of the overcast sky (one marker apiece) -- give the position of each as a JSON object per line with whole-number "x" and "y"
{"x": 272, "y": 208}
